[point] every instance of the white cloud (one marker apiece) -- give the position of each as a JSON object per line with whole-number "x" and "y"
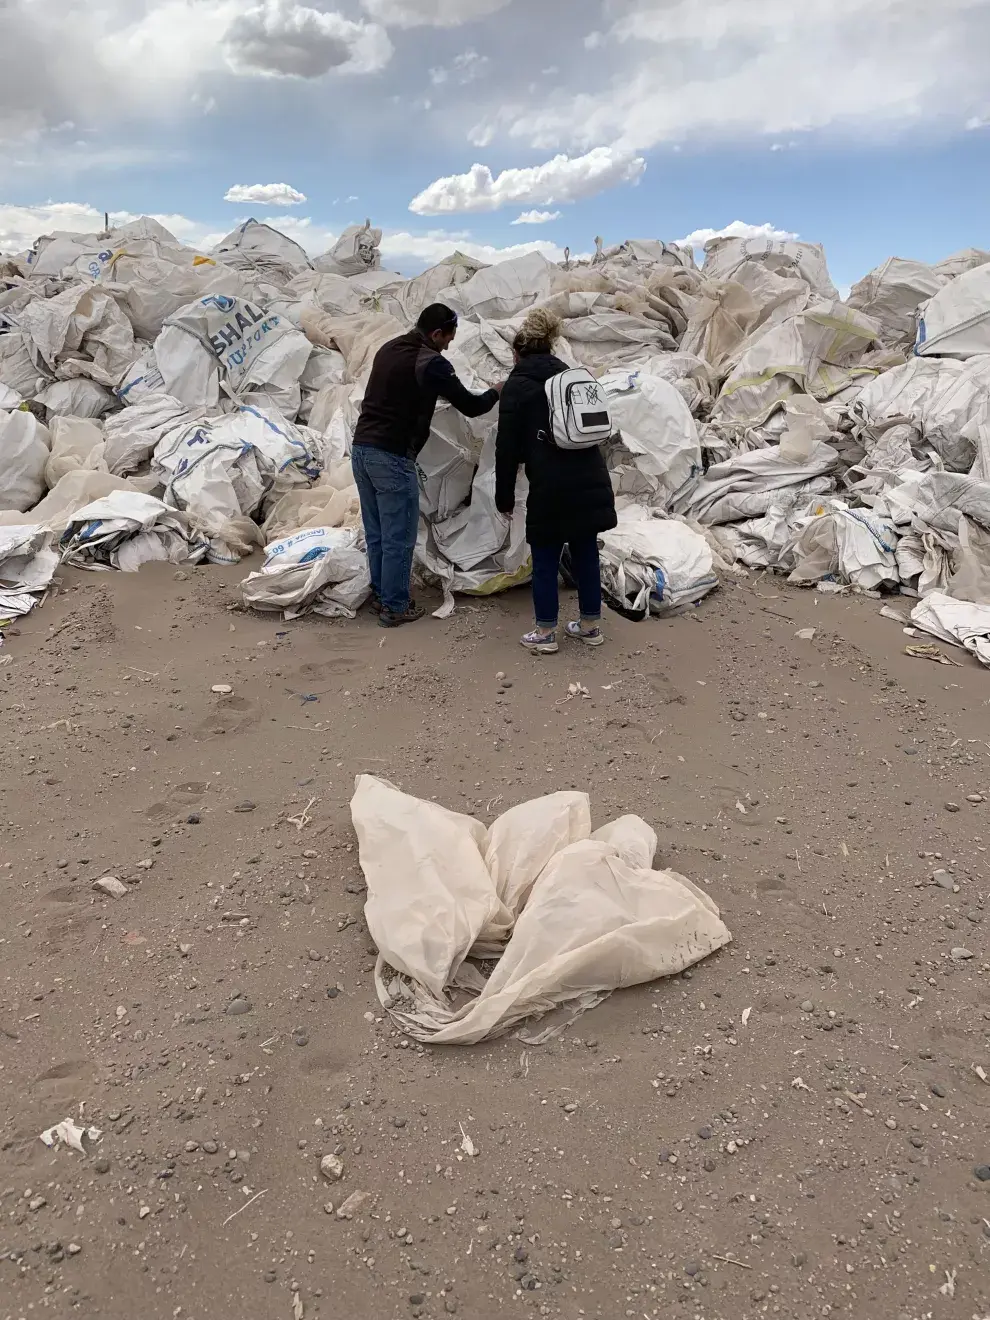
{"x": 737, "y": 229}
{"x": 264, "y": 194}
{"x": 283, "y": 39}
{"x": 464, "y": 68}
{"x": 431, "y": 13}
{"x": 21, "y": 225}
{"x": 432, "y": 247}
{"x": 536, "y": 217}
{"x": 563, "y": 179}
{"x": 716, "y": 69}
{"x": 976, "y": 122}
{"x": 167, "y": 59}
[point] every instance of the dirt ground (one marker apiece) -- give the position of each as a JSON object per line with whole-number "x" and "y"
{"x": 820, "y": 1159}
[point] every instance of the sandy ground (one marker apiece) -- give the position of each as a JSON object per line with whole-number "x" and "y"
{"x": 820, "y": 1160}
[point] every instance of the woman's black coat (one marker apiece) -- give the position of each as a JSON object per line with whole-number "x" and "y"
{"x": 570, "y": 493}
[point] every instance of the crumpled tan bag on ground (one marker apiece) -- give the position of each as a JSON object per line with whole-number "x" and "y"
{"x": 584, "y": 913}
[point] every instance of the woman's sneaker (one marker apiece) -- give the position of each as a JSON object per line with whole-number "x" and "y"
{"x": 540, "y": 643}
{"x": 410, "y": 614}
{"x": 590, "y": 636}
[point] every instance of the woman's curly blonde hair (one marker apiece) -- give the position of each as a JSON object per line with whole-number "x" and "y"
{"x": 538, "y": 332}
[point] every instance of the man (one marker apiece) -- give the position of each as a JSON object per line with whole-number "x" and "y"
{"x": 408, "y": 376}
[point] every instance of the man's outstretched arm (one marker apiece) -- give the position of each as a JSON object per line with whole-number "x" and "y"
{"x": 442, "y": 377}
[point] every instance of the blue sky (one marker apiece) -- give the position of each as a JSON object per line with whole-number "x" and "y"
{"x": 858, "y": 123}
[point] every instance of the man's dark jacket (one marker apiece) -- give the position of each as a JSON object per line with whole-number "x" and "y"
{"x": 407, "y": 378}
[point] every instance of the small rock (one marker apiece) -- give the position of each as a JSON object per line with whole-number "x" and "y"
{"x": 194, "y": 819}
{"x": 570, "y": 1108}
{"x": 952, "y": 806}
{"x": 110, "y": 885}
{"x": 352, "y": 1205}
{"x": 301, "y": 1039}
{"x": 210, "y": 1147}
{"x": 332, "y": 1168}
{"x": 942, "y": 879}
{"x": 102, "y": 1166}
{"x": 705, "y": 1133}
{"x": 73, "y": 1248}
{"x": 807, "y": 1006}
{"x": 961, "y": 955}
{"x": 938, "y": 1090}
{"x": 144, "y": 1212}
{"x": 246, "y": 806}
{"x": 239, "y": 1006}
{"x": 222, "y": 689}
{"x": 975, "y": 798}
{"x": 982, "y": 1172}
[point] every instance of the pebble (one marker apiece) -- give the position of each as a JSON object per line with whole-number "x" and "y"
{"x": 705, "y": 1133}
{"x": 982, "y": 1172}
{"x": 239, "y": 1006}
{"x": 952, "y": 806}
{"x": 938, "y": 1090}
{"x": 808, "y": 1006}
{"x": 942, "y": 879}
{"x": 210, "y": 1147}
{"x": 332, "y": 1168}
{"x": 246, "y": 806}
{"x": 975, "y": 798}
{"x": 194, "y": 819}
{"x": 222, "y": 689}
{"x": 301, "y": 1039}
{"x": 962, "y": 955}
{"x": 102, "y": 1166}
{"x": 110, "y": 885}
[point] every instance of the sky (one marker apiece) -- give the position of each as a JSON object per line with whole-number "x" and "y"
{"x": 498, "y": 126}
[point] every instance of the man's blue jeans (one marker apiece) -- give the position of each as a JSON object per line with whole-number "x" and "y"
{"x": 389, "y": 491}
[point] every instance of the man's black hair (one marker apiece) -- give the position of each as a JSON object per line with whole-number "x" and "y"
{"x": 436, "y": 317}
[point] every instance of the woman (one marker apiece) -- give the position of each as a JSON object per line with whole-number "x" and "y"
{"x": 570, "y": 495}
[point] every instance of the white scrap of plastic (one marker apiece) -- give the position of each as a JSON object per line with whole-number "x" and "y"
{"x": 68, "y": 1133}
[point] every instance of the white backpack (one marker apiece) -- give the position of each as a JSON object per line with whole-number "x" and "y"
{"x": 579, "y": 416}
